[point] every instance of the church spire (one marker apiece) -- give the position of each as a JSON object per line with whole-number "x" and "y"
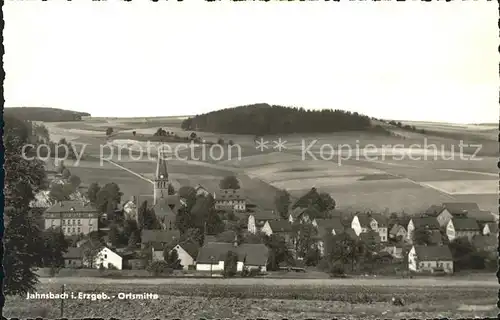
{"x": 161, "y": 168}
{"x": 161, "y": 178}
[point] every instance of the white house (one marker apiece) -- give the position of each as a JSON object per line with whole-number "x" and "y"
{"x": 490, "y": 228}
{"x": 362, "y": 223}
{"x": 448, "y": 210}
{"x": 107, "y": 258}
{"x": 462, "y": 227}
{"x": 212, "y": 255}
{"x": 257, "y": 220}
{"x": 430, "y": 258}
{"x": 187, "y": 253}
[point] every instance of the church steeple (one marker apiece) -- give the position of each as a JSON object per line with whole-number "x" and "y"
{"x": 161, "y": 178}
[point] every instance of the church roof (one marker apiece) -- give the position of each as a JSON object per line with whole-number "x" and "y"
{"x": 161, "y": 167}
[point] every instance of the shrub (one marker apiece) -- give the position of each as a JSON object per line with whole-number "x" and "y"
{"x": 157, "y": 268}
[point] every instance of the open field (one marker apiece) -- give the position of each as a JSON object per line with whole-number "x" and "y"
{"x": 244, "y": 298}
{"x": 384, "y": 179}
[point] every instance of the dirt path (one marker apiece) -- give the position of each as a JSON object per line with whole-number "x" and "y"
{"x": 421, "y": 282}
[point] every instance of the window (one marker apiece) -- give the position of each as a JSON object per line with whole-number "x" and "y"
{"x": 63, "y": 222}
{"x": 73, "y": 222}
{"x": 73, "y": 230}
{"x": 78, "y": 230}
{"x": 105, "y": 256}
{"x": 79, "y": 222}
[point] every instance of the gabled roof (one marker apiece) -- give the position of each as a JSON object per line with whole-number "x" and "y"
{"x": 306, "y": 200}
{"x": 229, "y": 194}
{"x": 72, "y": 206}
{"x": 333, "y": 223}
{"x": 481, "y": 215}
{"x": 255, "y": 254}
{"x": 381, "y": 220}
{"x": 396, "y": 228}
{"x": 465, "y": 224}
{"x": 364, "y": 220}
{"x": 190, "y": 247}
{"x": 423, "y": 222}
{"x": 433, "y": 253}
{"x": 265, "y": 215}
{"x": 460, "y": 207}
{"x": 312, "y": 213}
{"x": 434, "y": 210}
{"x": 161, "y": 167}
{"x": 493, "y": 226}
{"x": 297, "y": 212}
{"x": 73, "y": 253}
{"x": 278, "y": 226}
{"x": 217, "y": 251}
{"x": 159, "y": 236}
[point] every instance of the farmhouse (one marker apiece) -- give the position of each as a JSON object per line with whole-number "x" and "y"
{"x": 281, "y": 227}
{"x": 462, "y": 227}
{"x": 257, "y": 220}
{"x": 430, "y": 258}
{"x": 396, "y": 251}
{"x": 334, "y": 225}
{"x": 73, "y": 257}
{"x": 448, "y": 210}
{"x": 362, "y": 223}
{"x": 429, "y": 223}
{"x": 159, "y": 238}
{"x": 397, "y": 232}
{"x": 230, "y": 197}
{"x": 251, "y": 256}
{"x": 106, "y": 258}
{"x": 490, "y": 228}
{"x": 73, "y": 217}
{"x": 187, "y": 253}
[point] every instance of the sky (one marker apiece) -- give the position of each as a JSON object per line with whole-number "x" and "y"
{"x": 418, "y": 61}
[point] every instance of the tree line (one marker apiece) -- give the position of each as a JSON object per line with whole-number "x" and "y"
{"x": 44, "y": 114}
{"x": 262, "y": 119}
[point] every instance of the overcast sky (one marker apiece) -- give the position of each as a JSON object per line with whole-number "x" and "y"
{"x": 412, "y": 61}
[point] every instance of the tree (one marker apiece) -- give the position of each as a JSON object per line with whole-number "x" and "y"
{"x": 326, "y": 202}
{"x": 114, "y": 235}
{"x": 227, "y": 236}
{"x": 55, "y": 245}
{"x": 230, "y": 264}
{"x": 192, "y": 234}
{"x": 305, "y": 238}
{"x": 278, "y": 252}
{"x": 110, "y": 193}
{"x": 57, "y": 192}
{"x": 66, "y": 173}
{"x": 60, "y": 167}
{"x": 92, "y": 192}
{"x": 466, "y": 256}
{"x": 75, "y": 181}
{"x": 371, "y": 245}
{"x": 141, "y": 214}
{"x": 92, "y": 249}
{"x": 422, "y": 236}
{"x": 109, "y": 131}
{"x": 229, "y": 182}
{"x": 193, "y": 135}
{"x": 22, "y": 238}
{"x": 171, "y": 257}
{"x": 282, "y": 202}
{"x": 171, "y": 189}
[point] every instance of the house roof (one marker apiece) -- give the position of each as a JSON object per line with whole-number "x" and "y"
{"x": 278, "y": 226}
{"x": 422, "y": 222}
{"x": 265, "y": 215}
{"x": 433, "y": 253}
{"x": 42, "y": 200}
{"x": 465, "y": 224}
{"x": 351, "y": 233}
{"x": 162, "y": 209}
{"x": 255, "y": 254}
{"x": 481, "y": 215}
{"x": 333, "y": 223}
{"x": 73, "y": 253}
{"x": 190, "y": 247}
{"x": 229, "y": 194}
{"x": 493, "y": 226}
{"x": 485, "y": 242}
{"x": 159, "y": 236}
{"x": 306, "y": 200}
{"x": 381, "y": 220}
{"x": 460, "y": 207}
{"x": 217, "y": 250}
{"x": 251, "y": 254}
{"x": 396, "y": 228}
{"x": 364, "y": 220}
{"x": 434, "y": 210}
{"x": 296, "y": 212}
{"x": 72, "y": 205}
{"x": 209, "y": 238}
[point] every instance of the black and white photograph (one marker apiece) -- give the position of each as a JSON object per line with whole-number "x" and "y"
{"x": 251, "y": 159}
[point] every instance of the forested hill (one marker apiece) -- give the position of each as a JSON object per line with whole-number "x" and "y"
{"x": 44, "y": 114}
{"x": 261, "y": 119}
